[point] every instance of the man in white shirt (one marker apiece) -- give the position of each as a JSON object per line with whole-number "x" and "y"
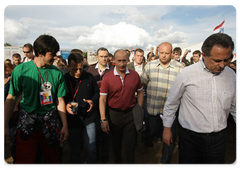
{"x": 205, "y": 102}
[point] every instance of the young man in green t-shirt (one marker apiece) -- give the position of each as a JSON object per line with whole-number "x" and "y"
{"x": 42, "y": 87}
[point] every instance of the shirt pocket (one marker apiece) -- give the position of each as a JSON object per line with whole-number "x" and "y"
{"x": 226, "y": 99}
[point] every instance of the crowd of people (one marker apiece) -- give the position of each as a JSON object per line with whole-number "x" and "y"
{"x": 90, "y": 102}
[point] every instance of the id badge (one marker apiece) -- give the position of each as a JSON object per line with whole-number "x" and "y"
{"x": 46, "y": 97}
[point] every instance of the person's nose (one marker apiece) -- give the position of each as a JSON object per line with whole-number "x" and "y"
{"x": 222, "y": 65}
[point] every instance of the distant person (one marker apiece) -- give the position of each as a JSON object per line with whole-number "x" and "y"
{"x": 177, "y": 52}
{"x": 61, "y": 64}
{"x": 205, "y": 101}
{"x": 194, "y": 59}
{"x": 152, "y": 58}
{"x": 233, "y": 65}
{"x": 5, "y": 83}
{"x": 28, "y": 52}
{"x": 9, "y": 68}
{"x": 110, "y": 59}
{"x": 150, "y": 54}
{"x": 8, "y": 61}
{"x": 118, "y": 89}
{"x": 196, "y": 56}
{"x": 138, "y": 64}
{"x": 16, "y": 59}
{"x": 43, "y": 88}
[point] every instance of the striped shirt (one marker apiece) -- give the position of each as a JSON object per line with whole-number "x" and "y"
{"x": 205, "y": 99}
{"x": 158, "y": 80}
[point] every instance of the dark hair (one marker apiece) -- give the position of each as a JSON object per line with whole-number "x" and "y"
{"x": 218, "y": 39}
{"x": 59, "y": 56}
{"x": 197, "y": 52}
{"x": 150, "y": 55}
{"x": 8, "y": 60}
{"x": 64, "y": 61}
{"x": 110, "y": 55}
{"x": 102, "y": 49}
{"x": 76, "y": 51}
{"x": 139, "y": 50}
{"x": 78, "y": 58}
{"x": 28, "y": 45}
{"x": 45, "y": 43}
{"x": 234, "y": 62}
{"x": 177, "y": 50}
{"x": 16, "y": 55}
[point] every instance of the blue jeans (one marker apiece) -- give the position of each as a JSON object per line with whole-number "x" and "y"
{"x": 88, "y": 134}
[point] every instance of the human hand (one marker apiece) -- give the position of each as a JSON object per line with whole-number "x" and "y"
{"x": 105, "y": 127}
{"x": 167, "y": 136}
{"x": 64, "y": 134}
{"x": 91, "y": 104}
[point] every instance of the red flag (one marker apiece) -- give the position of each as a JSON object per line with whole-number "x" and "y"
{"x": 219, "y": 26}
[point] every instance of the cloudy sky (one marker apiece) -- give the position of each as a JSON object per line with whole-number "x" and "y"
{"x": 116, "y": 26}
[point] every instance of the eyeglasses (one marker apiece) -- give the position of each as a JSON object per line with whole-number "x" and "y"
{"x": 26, "y": 51}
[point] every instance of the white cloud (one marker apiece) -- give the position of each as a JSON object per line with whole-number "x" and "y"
{"x": 120, "y": 35}
{"x": 14, "y": 30}
{"x": 167, "y": 35}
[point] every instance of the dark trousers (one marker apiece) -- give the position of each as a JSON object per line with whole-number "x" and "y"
{"x": 26, "y": 150}
{"x": 201, "y": 148}
{"x": 122, "y": 127}
{"x": 167, "y": 151}
{"x": 154, "y": 127}
{"x": 102, "y": 139}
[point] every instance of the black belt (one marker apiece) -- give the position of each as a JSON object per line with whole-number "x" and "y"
{"x": 208, "y": 134}
{"x": 122, "y": 109}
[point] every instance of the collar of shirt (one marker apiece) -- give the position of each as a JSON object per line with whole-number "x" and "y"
{"x": 169, "y": 65}
{"x": 107, "y": 68}
{"x": 204, "y": 67}
{"x": 137, "y": 65}
{"x": 116, "y": 73}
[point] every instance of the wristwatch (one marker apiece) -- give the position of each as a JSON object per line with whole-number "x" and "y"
{"x": 103, "y": 120}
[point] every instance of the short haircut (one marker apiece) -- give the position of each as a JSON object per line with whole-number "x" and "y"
{"x": 177, "y": 50}
{"x": 120, "y": 50}
{"x": 102, "y": 49}
{"x": 165, "y": 44}
{"x": 197, "y": 52}
{"x": 28, "y": 45}
{"x": 76, "y": 51}
{"x": 139, "y": 50}
{"x": 45, "y": 43}
{"x": 16, "y": 55}
{"x": 76, "y": 57}
{"x": 219, "y": 39}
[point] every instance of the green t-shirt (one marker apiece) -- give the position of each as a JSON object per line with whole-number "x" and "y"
{"x": 26, "y": 79}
